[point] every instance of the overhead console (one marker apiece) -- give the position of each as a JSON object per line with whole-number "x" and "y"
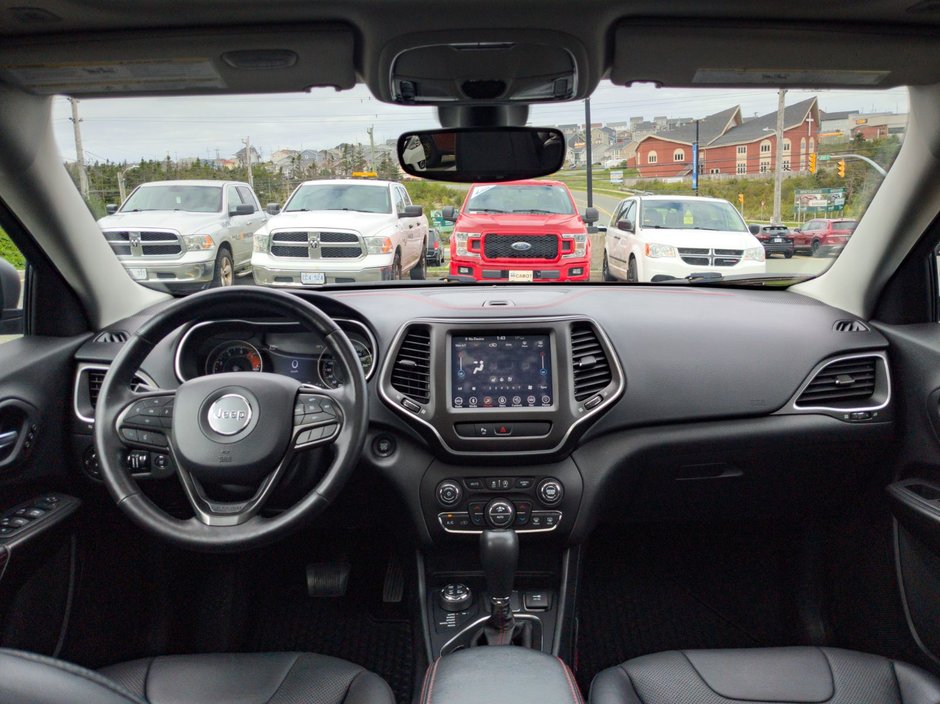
{"x": 516, "y": 386}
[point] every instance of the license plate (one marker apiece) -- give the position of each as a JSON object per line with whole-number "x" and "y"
{"x": 778, "y": 239}
{"x": 138, "y": 274}
{"x": 312, "y": 277}
{"x": 520, "y": 276}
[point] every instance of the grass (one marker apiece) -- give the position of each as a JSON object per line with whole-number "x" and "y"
{"x": 9, "y": 251}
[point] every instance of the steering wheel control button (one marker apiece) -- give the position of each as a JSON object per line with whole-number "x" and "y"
{"x": 455, "y": 597}
{"x": 130, "y": 434}
{"x": 230, "y": 414}
{"x": 449, "y": 493}
{"x": 500, "y": 513}
{"x": 550, "y": 492}
{"x": 147, "y": 437}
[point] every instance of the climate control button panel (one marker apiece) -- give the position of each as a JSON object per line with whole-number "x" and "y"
{"x": 519, "y": 503}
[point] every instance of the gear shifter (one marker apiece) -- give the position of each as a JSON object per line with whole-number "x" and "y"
{"x": 499, "y": 553}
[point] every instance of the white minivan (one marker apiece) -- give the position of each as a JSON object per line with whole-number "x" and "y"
{"x": 656, "y": 238}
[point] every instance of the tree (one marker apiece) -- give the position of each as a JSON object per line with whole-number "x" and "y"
{"x": 359, "y": 162}
{"x": 387, "y": 169}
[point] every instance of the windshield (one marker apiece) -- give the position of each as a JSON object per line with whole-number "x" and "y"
{"x": 360, "y": 198}
{"x": 545, "y": 200}
{"x": 314, "y": 194}
{"x": 691, "y": 215}
{"x": 192, "y": 199}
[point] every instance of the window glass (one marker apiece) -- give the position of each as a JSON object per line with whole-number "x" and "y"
{"x": 519, "y": 199}
{"x": 193, "y": 199}
{"x": 357, "y": 197}
{"x": 13, "y": 265}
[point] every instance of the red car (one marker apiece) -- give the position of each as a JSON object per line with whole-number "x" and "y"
{"x": 822, "y": 236}
{"x": 520, "y": 231}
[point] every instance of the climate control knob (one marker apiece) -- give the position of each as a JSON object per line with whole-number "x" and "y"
{"x": 500, "y": 513}
{"x": 550, "y": 492}
{"x": 449, "y": 493}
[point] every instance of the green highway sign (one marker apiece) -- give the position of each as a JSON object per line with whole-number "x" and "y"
{"x": 823, "y": 157}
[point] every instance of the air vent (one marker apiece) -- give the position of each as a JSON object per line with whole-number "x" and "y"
{"x": 112, "y": 336}
{"x": 96, "y": 379}
{"x": 846, "y": 382}
{"x": 591, "y": 366}
{"x": 850, "y": 326}
{"x": 411, "y": 374}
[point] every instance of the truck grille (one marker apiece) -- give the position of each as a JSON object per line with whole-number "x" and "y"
{"x": 501, "y": 246}
{"x": 144, "y": 243}
{"x": 697, "y": 256}
{"x": 316, "y": 245}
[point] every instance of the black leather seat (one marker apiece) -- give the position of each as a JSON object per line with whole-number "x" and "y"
{"x": 793, "y": 675}
{"x": 255, "y": 678}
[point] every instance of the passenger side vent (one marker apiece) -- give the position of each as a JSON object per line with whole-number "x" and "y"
{"x": 112, "y": 336}
{"x": 411, "y": 374}
{"x": 589, "y": 361}
{"x": 850, "y": 382}
{"x": 850, "y": 326}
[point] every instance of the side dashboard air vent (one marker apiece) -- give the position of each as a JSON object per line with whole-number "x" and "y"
{"x": 95, "y": 381}
{"x": 850, "y": 326}
{"x": 591, "y": 367}
{"x": 112, "y": 336}
{"x": 848, "y": 382}
{"x": 411, "y": 373}
{"x": 88, "y": 388}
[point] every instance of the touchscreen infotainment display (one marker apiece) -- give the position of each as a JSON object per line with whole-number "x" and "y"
{"x": 501, "y": 371}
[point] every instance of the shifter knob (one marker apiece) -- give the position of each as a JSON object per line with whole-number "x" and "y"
{"x": 499, "y": 553}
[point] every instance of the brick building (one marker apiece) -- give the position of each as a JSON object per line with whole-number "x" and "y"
{"x": 730, "y": 144}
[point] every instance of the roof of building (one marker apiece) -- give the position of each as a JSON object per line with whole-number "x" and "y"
{"x": 842, "y": 115}
{"x": 753, "y": 130}
{"x": 710, "y": 128}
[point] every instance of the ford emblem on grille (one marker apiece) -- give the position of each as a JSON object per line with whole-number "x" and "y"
{"x": 521, "y": 246}
{"x": 230, "y": 414}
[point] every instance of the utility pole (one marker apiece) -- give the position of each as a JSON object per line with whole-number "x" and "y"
{"x": 587, "y": 152}
{"x": 371, "y": 132}
{"x": 79, "y": 152}
{"x": 247, "y": 142}
{"x": 695, "y": 158}
{"x": 778, "y": 166}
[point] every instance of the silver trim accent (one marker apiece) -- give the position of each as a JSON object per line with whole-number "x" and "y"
{"x": 136, "y": 243}
{"x": 477, "y": 624}
{"x": 339, "y": 321}
{"x": 792, "y": 403}
{"x": 462, "y": 323}
{"x": 8, "y": 439}
{"x": 247, "y": 419}
{"x": 522, "y": 530}
{"x": 84, "y": 366}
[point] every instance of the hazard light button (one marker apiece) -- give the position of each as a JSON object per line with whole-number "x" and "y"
{"x": 502, "y": 429}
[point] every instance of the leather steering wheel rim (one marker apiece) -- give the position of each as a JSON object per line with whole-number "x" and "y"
{"x": 115, "y": 396}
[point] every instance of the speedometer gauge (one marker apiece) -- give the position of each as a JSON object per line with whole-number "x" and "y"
{"x": 236, "y": 356}
{"x": 332, "y": 375}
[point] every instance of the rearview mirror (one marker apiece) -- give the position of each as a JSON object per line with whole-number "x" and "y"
{"x": 625, "y": 225}
{"x": 475, "y": 154}
{"x": 411, "y": 211}
{"x": 449, "y": 213}
{"x": 110, "y": 208}
{"x": 590, "y": 215}
{"x": 242, "y": 210}
{"x": 755, "y": 229}
{"x": 273, "y": 208}
{"x": 11, "y": 315}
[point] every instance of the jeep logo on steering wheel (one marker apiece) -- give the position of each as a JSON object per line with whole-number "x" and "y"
{"x": 230, "y": 414}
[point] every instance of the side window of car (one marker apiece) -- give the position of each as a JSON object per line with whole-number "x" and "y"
{"x": 231, "y": 195}
{"x": 404, "y": 195}
{"x": 12, "y": 276}
{"x": 399, "y": 202}
{"x": 247, "y": 197}
{"x": 630, "y": 212}
{"x": 615, "y": 218}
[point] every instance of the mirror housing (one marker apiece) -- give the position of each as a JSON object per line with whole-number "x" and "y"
{"x": 482, "y": 154}
{"x": 626, "y": 226}
{"x": 449, "y": 213}
{"x": 591, "y": 216}
{"x": 412, "y": 211}
{"x": 11, "y": 316}
{"x": 241, "y": 210}
{"x": 111, "y": 208}
{"x": 755, "y": 229}
{"x": 273, "y": 208}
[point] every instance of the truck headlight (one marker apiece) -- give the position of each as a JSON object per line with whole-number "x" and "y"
{"x": 579, "y": 249}
{"x": 378, "y": 245}
{"x": 657, "y": 251}
{"x": 461, "y": 239}
{"x": 755, "y": 254}
{"x": 261, "y": 242}
{"x": 198, "y": 243}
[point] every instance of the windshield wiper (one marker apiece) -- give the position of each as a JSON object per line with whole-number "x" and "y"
{"x": 536, "y": 210}
{"x": 486, "y": 210}
{"x": 714, "y": 278}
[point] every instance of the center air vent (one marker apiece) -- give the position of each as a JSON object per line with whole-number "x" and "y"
{"x": 411, "y": 374}
{"x": 848, "y": 383}
{"x": 589, "y": 361}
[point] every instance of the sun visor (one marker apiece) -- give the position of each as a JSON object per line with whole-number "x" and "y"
{"x": 762, "y": 55}
{"x": 272, "y": 60}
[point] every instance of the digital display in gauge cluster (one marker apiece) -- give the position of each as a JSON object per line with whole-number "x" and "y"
{"x": 501, "y": 371}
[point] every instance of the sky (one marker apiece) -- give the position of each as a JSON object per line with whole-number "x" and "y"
{"x": 130, "y": 129}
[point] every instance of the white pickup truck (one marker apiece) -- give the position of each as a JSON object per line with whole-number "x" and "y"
{"x": 342, "y": 231}
{"x": 185, "y": 235}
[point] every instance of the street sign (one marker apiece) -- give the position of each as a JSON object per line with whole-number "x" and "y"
{"x": 823, "y": 157}
{"x": 819, "y": 200}
{"x": 616, "y": 176}
{"x": 695, "y": 163}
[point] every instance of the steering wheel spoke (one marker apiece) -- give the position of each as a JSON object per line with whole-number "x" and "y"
{"x": 143, "y": 427}
{"x": 212, "y": 512}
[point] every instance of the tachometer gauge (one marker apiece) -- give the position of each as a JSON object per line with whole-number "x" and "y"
{"x": 332, "y": 375}
{"x": 236, "y": 356}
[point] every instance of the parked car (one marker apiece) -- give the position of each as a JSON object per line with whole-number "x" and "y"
{"x": 342, "y": 231}
{"x": 520, "y": 231}
{"x": 775, "y": 238}
{"x": 655, "y": 238}
{"x": 185, "y": 235}
{"x": 822, "y": 236}
{"x": 435, "y": 252}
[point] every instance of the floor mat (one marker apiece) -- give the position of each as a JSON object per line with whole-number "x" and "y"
{"x": 658, "y": 588}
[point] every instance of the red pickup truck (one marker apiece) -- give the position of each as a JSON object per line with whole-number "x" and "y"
{"x": 821, "y": 236}
{"x": 520, "y": 231}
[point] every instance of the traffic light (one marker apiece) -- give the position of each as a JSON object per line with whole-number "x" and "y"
{"x": 812, "y": 163}
{"x": 841, "y": 168}
{"x": 741, "y": 198}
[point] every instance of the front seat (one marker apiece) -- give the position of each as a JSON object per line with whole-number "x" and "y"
{"x": 240, "y": 678}
{"x": 794, "y": 675}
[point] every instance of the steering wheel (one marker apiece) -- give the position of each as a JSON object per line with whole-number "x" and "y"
{"x": 240, "y": 429}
